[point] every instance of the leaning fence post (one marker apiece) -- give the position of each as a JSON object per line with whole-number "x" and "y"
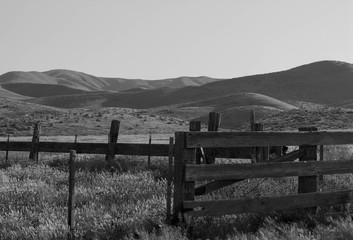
{"x": 71, "y": 202}
{"x": 33, "y": 155}
{"x": 214, "y": 121}
{"x": 112, "y": 140}
{"x": 170, "y": 179}
{"x": 308, "y": 184}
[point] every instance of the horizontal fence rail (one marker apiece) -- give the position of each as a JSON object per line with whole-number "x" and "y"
{"x": 121, "y": 148}
{"x": 263, "y": 170}
{"x": 268, "y": 204}
{"x": 258, "y": 139}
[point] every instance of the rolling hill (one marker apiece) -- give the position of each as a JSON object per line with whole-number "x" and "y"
{"x": 66, "y": 82}
{"x": 322, "y": 82}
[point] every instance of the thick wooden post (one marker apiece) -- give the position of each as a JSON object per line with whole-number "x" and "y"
{"x": 196, "y": 126}
{"x": 33, "y": 155}
{"x": 183, "y": 190}
{"x": 112, "y": 140}
{"x": 261, "y": 153}
{"x": 214, "y": 121}
{"x": 170, "y": 179}
{"x": 308, "y": 184}
{"x": 71, "y": 202}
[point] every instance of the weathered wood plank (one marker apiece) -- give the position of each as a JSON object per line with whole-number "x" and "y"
{"x": 179, "y": 180}
{"x": 214, "y": 121}
{"x": 262, "y": 170}
{"x": 269, "y": 204}
{"x": 247, "y": 139}
{"x": 215, "y": 185}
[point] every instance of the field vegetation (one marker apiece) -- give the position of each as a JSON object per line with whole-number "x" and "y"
{"x": 132, "y": 204}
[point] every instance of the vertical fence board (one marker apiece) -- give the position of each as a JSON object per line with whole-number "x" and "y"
{"x": 33, "y": 155}
{"x": 214, "y": 121}
{"x": 308, "y": 184}
{"x": 261, "y": 153}
{"x": 196, "y": 126}
{"x": 182, "y": 190}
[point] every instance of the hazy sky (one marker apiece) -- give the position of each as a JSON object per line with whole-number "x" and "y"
{"x": 154, "y": 39}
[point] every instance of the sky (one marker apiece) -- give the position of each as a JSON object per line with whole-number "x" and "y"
{"x": 157, "y": 39}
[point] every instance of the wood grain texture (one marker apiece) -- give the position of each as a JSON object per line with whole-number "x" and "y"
{"x": 253, "y": 139}
{"x": 263, "y": 170}
{"x": 268, "y": 204}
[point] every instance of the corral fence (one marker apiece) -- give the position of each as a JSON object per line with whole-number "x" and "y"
{"x": 187, "y": 172}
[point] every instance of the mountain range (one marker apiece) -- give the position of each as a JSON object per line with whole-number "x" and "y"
{"x": 326, "y": 83}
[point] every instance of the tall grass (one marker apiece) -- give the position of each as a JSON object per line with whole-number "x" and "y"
{"x": 131, "y": 204}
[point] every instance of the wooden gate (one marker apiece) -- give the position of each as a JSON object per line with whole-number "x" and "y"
{"x": 187, "y": 172}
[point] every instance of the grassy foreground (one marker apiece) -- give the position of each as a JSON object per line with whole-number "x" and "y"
{"x": 131, "y": 204}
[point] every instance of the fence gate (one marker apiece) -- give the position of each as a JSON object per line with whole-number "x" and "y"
{"x": 187, "y": 172}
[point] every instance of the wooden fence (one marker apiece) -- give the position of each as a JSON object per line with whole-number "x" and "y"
{"x": 112, "y": 148}
{"x": 187, "y": 172}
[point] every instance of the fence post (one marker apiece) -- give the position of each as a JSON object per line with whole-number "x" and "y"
{"x": 196, "y": 126}
{"x": 182, "y": 190}
{"x": 112, "y": 140}
{"x": 309, "y": 183}
{"x": 260, "y": 153}
{"x": 214, "y": 121}
{"x": 33, "y": 155}
{"x": 170, "y": 178}
{"x": 149, "y": 151}
{"x": 7, "y": 148}
{"x": 71, "y": 202}
{"x": 321, "y": 177}
{"x": 252, "y": 120}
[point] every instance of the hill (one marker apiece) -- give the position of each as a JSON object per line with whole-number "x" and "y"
{"x": 17, "y": 118}
{"x": 322, "y": 82}
{"x": 66, "y": 82}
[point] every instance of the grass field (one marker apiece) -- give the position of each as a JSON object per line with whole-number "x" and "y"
{"x": 132, "y": 204}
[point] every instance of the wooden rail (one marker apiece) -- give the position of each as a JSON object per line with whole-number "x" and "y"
{"x": 121, "y": 148}
{"x": 258, "y": 139}
{"x": 268, "y": 204}
{"x": 262, "y": 170}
